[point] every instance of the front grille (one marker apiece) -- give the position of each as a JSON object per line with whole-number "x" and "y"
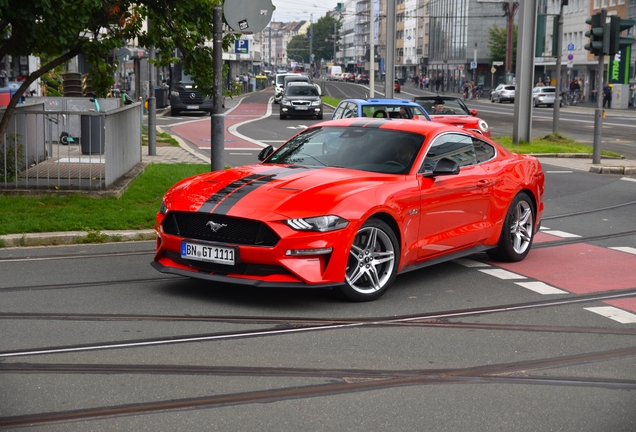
{"x": 236, "y": 230}
{"x": 301, "y": 103}
{"x": 185, "y": 96}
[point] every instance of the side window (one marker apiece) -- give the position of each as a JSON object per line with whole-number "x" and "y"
{"x": 483, "y": 151}
{"x": 453, "y": 146}
{"x": 339, "y": 113}
{"x": 350, "y": 110}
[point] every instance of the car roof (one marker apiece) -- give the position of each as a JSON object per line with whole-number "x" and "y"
{"x": 376, "y": 101}
{"x": 300, "y": 84}
{"x": 407, "y": 125}
{"x": 438, "y": 97}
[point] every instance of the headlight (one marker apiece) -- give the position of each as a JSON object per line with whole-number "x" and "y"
{"x": 315, "y": 103}
{"x": 483, "y": 125}
{"x": 285, "y": 101}
{"x": 318, "y": 223}
{"x": 174, "y": 93}
{"x": 163, "y": 209}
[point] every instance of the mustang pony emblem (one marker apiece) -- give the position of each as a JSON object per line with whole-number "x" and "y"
{"x": 215, "y": 226}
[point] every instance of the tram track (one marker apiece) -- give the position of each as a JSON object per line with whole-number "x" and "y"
{"x": 347, "y": 382}
{"x": 286, "y": 326}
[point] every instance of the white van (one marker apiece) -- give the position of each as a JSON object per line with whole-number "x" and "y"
{"x": 334, "y": 72}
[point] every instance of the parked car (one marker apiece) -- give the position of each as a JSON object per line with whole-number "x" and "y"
{"x": 385, "y": 108}
{"x": 544, "y": 96}
{"x": 397, "y": 87}
{"x": 362, "y": 78}
{"x": 184, "y": 96}
{"x": 301, "y": 99}
{"x": 453, "y": 111}
{"x": 350, "y": 204}
{"x": 503, "y": 93}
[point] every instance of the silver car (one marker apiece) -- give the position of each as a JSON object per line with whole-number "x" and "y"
{"x": 543, "y": 96}
{"x": 503, "y": 92}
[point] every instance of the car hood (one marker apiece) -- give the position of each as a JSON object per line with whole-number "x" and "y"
{"x": 262, "y": 190}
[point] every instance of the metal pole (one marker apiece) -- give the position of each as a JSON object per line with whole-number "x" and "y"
{"x": 372, "y": 52}
{"x": 390, "y": 49}
{"x": 557, "y": 104}
{"x": 152, "y": 103}
{"x": 522, "y": 122}
{"x": 218, "y": 120}
{"x": 311, "y": 40}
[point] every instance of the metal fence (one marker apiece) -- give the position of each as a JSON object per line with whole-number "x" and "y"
{"x": 68, "y": 144}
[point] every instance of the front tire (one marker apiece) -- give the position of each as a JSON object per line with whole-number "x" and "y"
{"x": 517, "y": 232}
{"x": 373, "y": 262}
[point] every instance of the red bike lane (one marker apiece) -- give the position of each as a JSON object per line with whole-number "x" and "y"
{"x": 199, "y": 132}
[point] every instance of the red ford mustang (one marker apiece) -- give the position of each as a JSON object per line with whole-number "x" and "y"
{"x": 350, "y": 204}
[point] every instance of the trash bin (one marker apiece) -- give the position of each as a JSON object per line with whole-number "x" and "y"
{"x": 161, "y": 97}
{"x": 93, "y": 134}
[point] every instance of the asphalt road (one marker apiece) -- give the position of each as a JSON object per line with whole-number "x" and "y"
{"x": 94, "y": 339}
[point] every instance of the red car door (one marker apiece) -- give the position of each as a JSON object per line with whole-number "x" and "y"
{"x": 454, "y": 209}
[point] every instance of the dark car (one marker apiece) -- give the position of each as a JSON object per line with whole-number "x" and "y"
{"x": 396, "y": 86}
{"x": 453, "y": 111}
{"x": 362, "y": 78}
{"x": 350, "y": 78}
{"x": 384, "y": 108}
{"x": 185, "y": 97}
{"x": 301, "y": 99}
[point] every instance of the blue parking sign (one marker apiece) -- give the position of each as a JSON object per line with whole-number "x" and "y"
{"x": 241, "y": 46}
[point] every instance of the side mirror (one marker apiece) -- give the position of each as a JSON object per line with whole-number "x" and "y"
{"x": 444, "y": 166}
{"x": 473, "y": 112}
{"x": 265, "y": 153}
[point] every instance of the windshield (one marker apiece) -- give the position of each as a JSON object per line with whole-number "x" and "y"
{"x": 366, "y": 149}
{"x": 443, "y": 107}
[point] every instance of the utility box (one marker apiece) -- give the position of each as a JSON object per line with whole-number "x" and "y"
{"x": 620, "y": 96}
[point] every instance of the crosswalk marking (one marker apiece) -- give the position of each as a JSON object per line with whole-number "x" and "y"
{"x": 467, "y": 262}
{"x": 629, "y": 250}
{"x": 541, "y": 288}
{"x": 502, "y": 274}
{"x": 561, "y": 234}
{"x": 615, "y": 314}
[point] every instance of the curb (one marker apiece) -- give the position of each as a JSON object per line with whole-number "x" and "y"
{"x": 74, "y": 237}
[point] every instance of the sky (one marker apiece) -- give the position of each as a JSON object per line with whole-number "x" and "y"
{"x": 301, "y": 10}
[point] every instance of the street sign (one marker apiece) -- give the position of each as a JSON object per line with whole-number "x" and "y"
{"x": 570, "y": 57}
{"x": 241, "y": 46}
{"x": 493, "y": 70}
{"x": 473, "y": 65}
{"x": 570, "y": 47}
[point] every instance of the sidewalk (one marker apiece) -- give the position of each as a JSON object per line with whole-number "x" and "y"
{"x": 184, "y": 154}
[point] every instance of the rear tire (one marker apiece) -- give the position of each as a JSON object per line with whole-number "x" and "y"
{"x": 517, "y": 232}
{"x": 373, "y": 261}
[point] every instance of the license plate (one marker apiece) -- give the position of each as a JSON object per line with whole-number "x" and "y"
{"x": 214, "y": 254}
{"x": 193, "y": 107}
{"x": 301, "y": 108}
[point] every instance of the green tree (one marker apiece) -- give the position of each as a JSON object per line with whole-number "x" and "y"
{"x": 322, "y": 45}
{"x": 497, "y": 42}
{"x": 58, "y": 30}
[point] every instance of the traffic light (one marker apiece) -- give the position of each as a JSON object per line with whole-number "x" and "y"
{"x": 617, "y": 43}
{"x": 596, "y": 33}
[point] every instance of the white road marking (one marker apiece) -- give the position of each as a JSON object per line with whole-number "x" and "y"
{"x": 502, "y": 274}
{"x": 541, "y": 288}
{"x": 561, "y": 234}
{"x": 615, "y": 314}
{"x": 629, "y": 250}
{"x": 629, "y": 179}
{"x": 466, "y": 262}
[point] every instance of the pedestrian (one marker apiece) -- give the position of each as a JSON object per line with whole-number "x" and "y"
{"x": 607, "y": 96}
{"x": 539, "y": 83}
{"x": 634, "y": 96}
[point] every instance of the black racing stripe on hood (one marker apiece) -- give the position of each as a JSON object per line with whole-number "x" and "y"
{"x": 219, "y": 196}
{"x": 226, "y": 205}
